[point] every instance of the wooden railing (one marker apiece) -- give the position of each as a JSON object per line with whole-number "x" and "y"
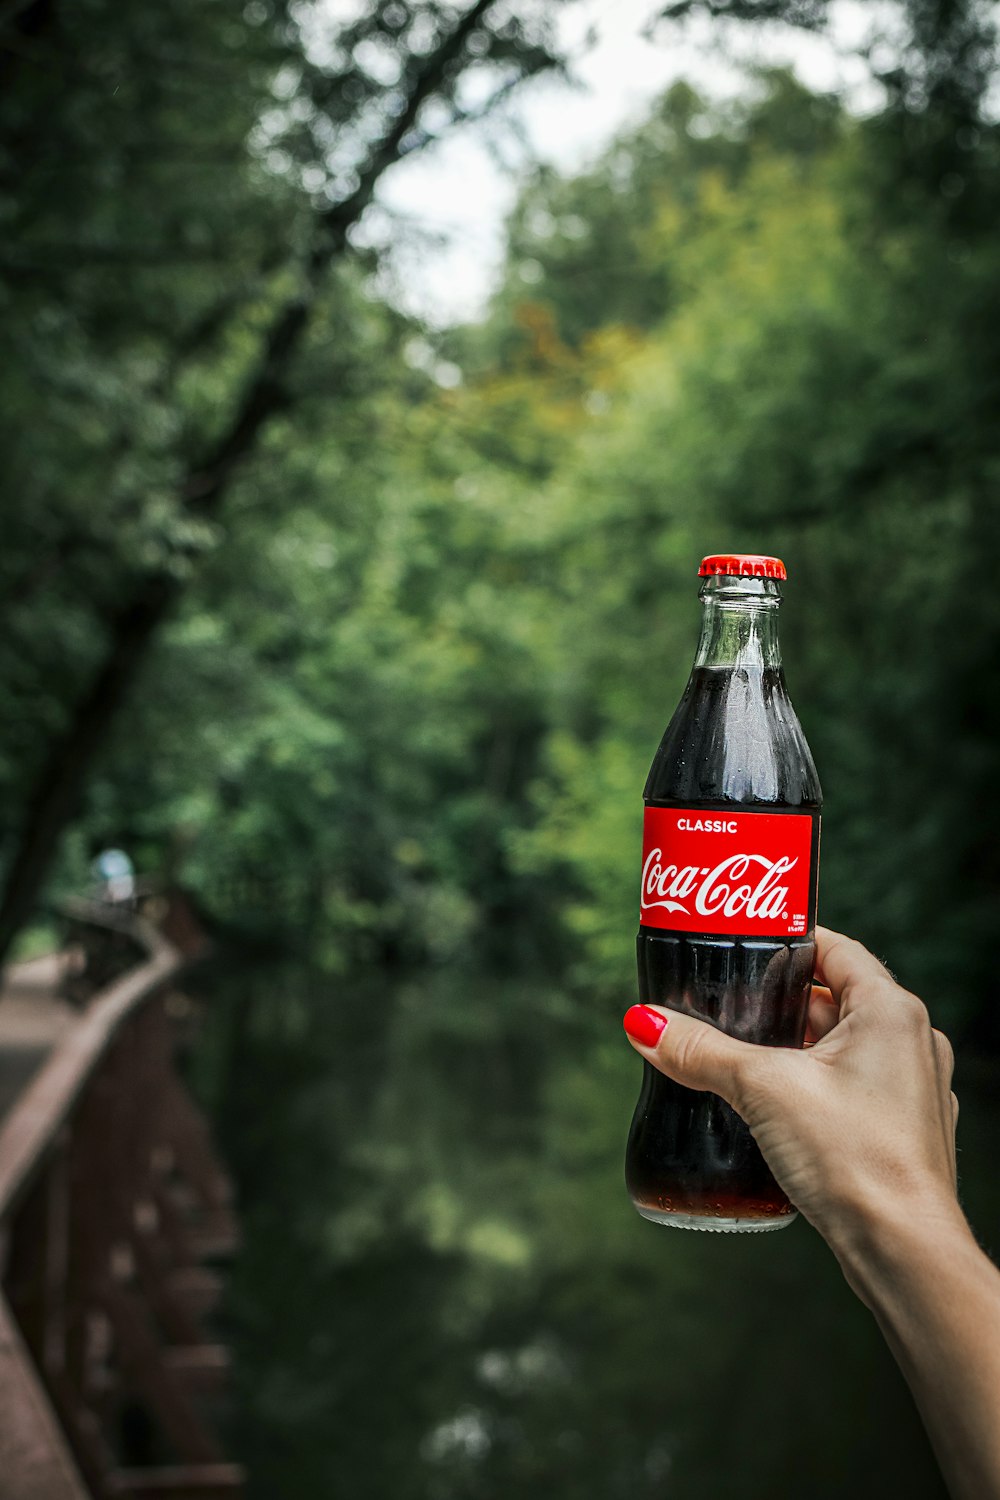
{"x": 112, "y": 1207}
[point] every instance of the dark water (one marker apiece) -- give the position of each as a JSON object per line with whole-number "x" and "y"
{"x": 445, "y": 1293}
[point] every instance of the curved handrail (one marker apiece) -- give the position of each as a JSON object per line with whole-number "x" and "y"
{"x": 35, "y": 1456}
{"x": 35, "y": 1120}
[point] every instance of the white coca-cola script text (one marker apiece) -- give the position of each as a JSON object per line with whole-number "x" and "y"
{"x": 747, "y": 883}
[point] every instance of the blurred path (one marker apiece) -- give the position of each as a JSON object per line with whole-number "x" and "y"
{"x": 32, "y": 1018}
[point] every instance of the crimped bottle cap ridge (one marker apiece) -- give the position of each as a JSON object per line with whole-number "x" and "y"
{"x": 741, "y": 565}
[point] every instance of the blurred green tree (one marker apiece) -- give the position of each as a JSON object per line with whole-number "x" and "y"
{"x": 199, "y": 178}
{"x": 415, "y": 670}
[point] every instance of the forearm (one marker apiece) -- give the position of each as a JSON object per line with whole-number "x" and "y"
{"x": 936, "y": 1298}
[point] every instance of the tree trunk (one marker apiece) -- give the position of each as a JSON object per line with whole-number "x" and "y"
{"x": 62, "y": 776}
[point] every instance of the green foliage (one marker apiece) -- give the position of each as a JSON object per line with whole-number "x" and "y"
{"x": 610, "y": 246}
{"x": 400, "y": 720}
{"x": 197, "y": 184}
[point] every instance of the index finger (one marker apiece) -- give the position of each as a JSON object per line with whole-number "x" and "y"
{"x": 842, "y": 961}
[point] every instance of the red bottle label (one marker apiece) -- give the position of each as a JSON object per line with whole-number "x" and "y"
{"x": 740, "y": 872}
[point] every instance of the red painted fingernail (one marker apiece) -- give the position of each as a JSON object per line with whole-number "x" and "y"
{"x": 644, "y": 1025}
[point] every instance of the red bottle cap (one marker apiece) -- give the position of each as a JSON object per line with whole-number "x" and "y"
{"x": 742, "y": 565}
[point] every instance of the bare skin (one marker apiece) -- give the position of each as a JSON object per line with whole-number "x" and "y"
{"x": 859, "y": 1130}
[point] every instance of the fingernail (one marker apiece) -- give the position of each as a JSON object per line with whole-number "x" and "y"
{"x": 644, "y": 1025}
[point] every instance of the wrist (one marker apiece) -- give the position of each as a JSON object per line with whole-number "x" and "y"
{"x": 880, "y": 1244}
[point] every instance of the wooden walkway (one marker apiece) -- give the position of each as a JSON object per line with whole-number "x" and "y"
{"x": 115, "y": 1217}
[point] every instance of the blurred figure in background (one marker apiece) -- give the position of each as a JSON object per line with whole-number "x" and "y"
{"x": 114, "y": 878}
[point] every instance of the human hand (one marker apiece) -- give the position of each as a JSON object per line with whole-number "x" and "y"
{"x": 859, "y": 1127}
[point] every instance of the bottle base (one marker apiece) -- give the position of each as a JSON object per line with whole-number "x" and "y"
{"x": 714, "y": 1225}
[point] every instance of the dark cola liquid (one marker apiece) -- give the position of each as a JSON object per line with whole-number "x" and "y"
{"x": 734, "y": 743}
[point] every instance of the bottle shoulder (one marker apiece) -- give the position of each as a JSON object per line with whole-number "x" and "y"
{"x": 735, "y": 739}
{"x": 813, "y": 806}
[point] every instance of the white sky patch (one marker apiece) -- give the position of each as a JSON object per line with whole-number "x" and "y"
{"x": 442, "y": 212}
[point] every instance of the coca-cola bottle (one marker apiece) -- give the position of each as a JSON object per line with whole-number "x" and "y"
{"x": 728, "y": 904}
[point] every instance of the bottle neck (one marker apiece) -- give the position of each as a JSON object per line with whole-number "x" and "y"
{"x": 739, "y": 627}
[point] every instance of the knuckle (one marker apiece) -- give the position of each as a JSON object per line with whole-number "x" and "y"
{"x": 945, "y": 1052}
{"x": 849, "y": 947}
{"x": 911, "y": 1014}
{"x": 688, "y": 1051}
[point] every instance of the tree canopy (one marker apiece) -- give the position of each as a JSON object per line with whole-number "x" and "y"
{"x": 366, "y": 632}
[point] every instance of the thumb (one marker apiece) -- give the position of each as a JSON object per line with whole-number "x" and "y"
{"x": 699, "y": 1055}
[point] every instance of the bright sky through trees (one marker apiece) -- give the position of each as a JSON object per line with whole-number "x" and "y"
{"x": 457, "y": 195}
